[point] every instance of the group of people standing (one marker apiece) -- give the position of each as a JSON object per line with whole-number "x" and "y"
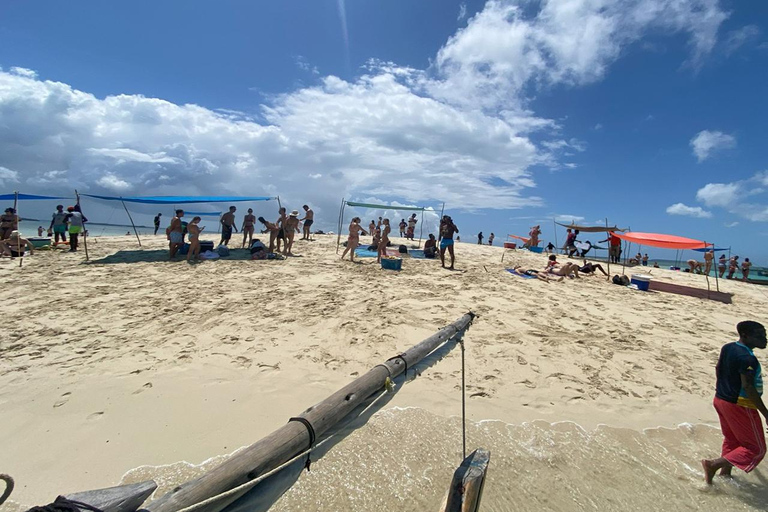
{"x": 72, "y": 222}
{"x": 281, "y": 232}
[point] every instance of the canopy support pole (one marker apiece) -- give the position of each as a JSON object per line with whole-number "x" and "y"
{"x": 421, "y": 229}
{"x": 18, "y": 238}
{"x": 85, "y": 231}
{"x": 554, "y": 230}
{"x": 341, "y": 221}
{"x": 609, "y": 246}
{"x": 714, "y": 267}
{"x": 624, "y": 260}
{"x": 131, "y": 219}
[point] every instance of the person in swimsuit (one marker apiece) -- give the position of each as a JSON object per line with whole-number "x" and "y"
{"x": 645, "y": 259}
{"x": 175, "y": 234}
{"x": 15, "y": 244}
{"x": 447, "y": 230}
{"x": 8, "y": 222}
{"x": 291, "y": 228}
{"x": 384, "y": 242}
{"x": 372, "y": 228}
{"x": 534, "y": 236}
{"x": 193, "y": 231}
{"x": 490, "y": 239}
{"x": 411, "y": 230}
{"x": 430, "y": 247}
{"x": 564, "y": 270}
{"x": 353, "y": 240}
{"x": 589, "y": 268}
{"x": 308, "y": 220}
{"x": 227, "y": 225}
{"x": 733, "y": 266}
{"x": 59, "y": 225}
{"x": 544, "y": 276}
{"x": 280, "y": 223}
{"x": 249, "y": 222}
{"x": 745, "y": 269}
{"x": 709, "y": 258}
{"x": 272, "y": 230}
{"x": 157, "y": 222}
{"x": 721, "y": 265}
{"x": 402, "y": 226}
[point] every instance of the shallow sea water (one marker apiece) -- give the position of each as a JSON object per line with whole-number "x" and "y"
{"x": 403, "y": 459}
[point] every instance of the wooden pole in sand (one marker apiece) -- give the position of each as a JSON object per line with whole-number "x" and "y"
{"x": 15, "y": 221}
{"x": 341, "y": 219}
{"x": 131, "y": 219}
{"x": 609, "y": 246}
{"x": 421, "y": 229}
{"x": 467, "y": 483}
{"x": 298, "y": 434}
{"x": 85, "y": 236}
{"x": 554, "y": 227}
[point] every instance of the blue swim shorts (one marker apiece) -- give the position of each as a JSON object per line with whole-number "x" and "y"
{"x": 446, "y": 242}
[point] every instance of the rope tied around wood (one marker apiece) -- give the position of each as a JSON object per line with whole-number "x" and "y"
{"x": 312, "y": 438}
{"x": 8, "y": 487}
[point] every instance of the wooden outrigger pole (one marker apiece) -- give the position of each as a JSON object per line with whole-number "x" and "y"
{"x": 467, "y": 483}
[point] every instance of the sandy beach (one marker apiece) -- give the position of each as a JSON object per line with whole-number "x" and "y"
{"x": 132, "y": 361}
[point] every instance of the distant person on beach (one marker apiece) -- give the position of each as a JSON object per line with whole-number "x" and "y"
{"x": 372, "y": 228}
{"x": 709, "y": 258}
{"x": 458, "y": 239}
{"x": 733, "y": 266}
{"x": 227, "y": 225}
{"x": 410, "y": 232}
{"x": 308, "y": 220}
{"x": 645, "y": 260}
{"x": 273, "y": 231}
{"x": 193, "y": 231}
{"x": 589, "y": 268}
{"x": 127, "y": 233}
{"x": 402, "y": 226}
{"x": 384, "y": 242}
{"x": 738, "y": 403}
{"x": 280, "y": 223}
{"x": 550, "y": 247}
{"x": 480, "y": 238}
{"x": 353, "y": 240}
{"x": 59, "y": 224}
{"x": 9, "y": 222}
{"x": 534, "y": 234}
{"x": 157, "y": 222}
{"x": 694, "y": 266}
{"x": 745, "y": 265}
{"x": 490, "y": 239}
{"x": 76, "y": 221}
{"x": 249, "y": 224}
{"x": 614, "y": 249}
{"x": 721, "y": 265}
{"x": 15, "y": 245}
{"x": 570, "y": 242}
{"x": 447, "y": 230}
{"x": 291, "y": 228}
{"x": 655, "y": 264}
{"x": 175, "y": 234}
{"x": 585, "y": 248}
{"x": 430, "y": 247}
{"x": 40, "y": 231}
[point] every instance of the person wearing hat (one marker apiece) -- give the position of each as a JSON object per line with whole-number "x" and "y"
{"x": 15, "y": 244}
{"x": 249, "y": 221}
{"x": 9, "y": 221}
{"x": 59, "y": 225}
{"x": 291, "y": 227}
{"x": 227, "y": 225}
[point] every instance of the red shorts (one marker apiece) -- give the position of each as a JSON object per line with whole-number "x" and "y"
{"x": 743, "y": 438}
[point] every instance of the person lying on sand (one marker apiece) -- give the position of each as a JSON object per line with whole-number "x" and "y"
{"x": 554, "y": 267}
{"x": 589, "y": 268}
{"x": 738, "y": 403}
{"x": 353, "y": 240}
{"x": 544, "y": 276}
{"x": 15, "y": 244}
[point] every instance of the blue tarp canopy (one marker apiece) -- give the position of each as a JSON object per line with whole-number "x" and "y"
{"x": 27, "y": 197}
{"x": 203, "y": 214}
{"x": 716, "y": 249}
{"x": 182, "y": 199}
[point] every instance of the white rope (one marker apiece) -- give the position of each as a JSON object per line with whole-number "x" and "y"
{"x": 253, "y": 483}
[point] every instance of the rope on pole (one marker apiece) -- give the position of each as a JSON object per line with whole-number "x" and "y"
{"x": 341, "y": 220}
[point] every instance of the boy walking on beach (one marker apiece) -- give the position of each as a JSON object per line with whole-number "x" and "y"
{"x": 738, "y": 401}
{"x": 227, "y": 225}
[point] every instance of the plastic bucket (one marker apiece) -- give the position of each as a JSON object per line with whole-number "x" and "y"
{"x": 510, "y": 245}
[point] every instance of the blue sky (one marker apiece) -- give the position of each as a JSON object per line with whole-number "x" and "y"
{"x": 648, "y": 112}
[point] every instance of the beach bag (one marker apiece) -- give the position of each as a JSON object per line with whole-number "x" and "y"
{"x": 223, "y": 250}
{"x": 621, "y": 280}
{"x": 403, "y": 249}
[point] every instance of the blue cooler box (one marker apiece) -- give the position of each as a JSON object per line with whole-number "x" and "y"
{"x": 642, "y": 281}
{"x": 392, "y": 264}
{"x": 536, "y": 249}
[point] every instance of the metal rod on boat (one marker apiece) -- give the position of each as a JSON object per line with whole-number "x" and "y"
{"x": 299, "y": 433}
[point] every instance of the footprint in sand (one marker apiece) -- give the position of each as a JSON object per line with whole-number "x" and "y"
{"x": 95, "y": 415}
{"x": 64, "y": 399}
{"x": 145, "y": 387}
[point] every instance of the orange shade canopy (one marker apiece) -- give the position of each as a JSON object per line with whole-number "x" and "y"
{"x": 662, "y": 240}
{"x": 526, "y": 240}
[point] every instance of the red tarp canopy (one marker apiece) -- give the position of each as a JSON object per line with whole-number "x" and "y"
{"x": 661, "y": 240}
{"x": 525, "y": 240}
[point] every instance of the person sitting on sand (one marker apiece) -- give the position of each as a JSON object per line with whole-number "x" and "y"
{"x": 447, "y": 230}
{"x": 9, "y": 221}
{"x": 193, "y": 231}
{"x": 745, "y": 269}
{"x": 308, "y": 220}
{"x": 589, "y": 268}
{"x": 353, "y": 240}
{"x": 709, "y": 258}
{"x": 291, "y": 228}
{"x": 249, "y": 224}
{"x": 402, "y": 226}
{"x": 733, "y": 265}
{"x": 738, "y": 403}
{"x": 227, "y": 225}
{"x": 430, "y": 247}
{"x": 384, "y": 242}
{"x": 564, "y": 270}
{"x": 721, "y": 265}
{"x": 15, "y": 244}
{"x": 175, "y": 233}
{"x": 258, "y": 250}
{"x": 655, "y": 264}
{"x": 272, "y": 229}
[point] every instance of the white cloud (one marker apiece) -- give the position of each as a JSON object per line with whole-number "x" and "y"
{"x": 707, "y": 142}
{"x": 719, "y": 194}
{"x": 8, "y": 176}
{"x": 731, "y": 224}
{"x": 509, "y": 46}
{"x": 28, "y": 73}
{"x": 598, "y": 127}
{"x": 303, "y": 64}
{"x": 689, "y": 211}
{"x": 113, "y": 183}
{"x": 735, "y": 39}
{"x": 462, "y": 12}
{"x": 568, "y": 218}
{"x": 739, "y": 197}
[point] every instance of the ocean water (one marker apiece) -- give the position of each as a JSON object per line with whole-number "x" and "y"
{"x": 29, "y": 228}
{"x": 403, "y": 459}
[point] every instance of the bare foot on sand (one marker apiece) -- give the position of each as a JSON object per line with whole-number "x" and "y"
{"x": 709, "y": 471}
